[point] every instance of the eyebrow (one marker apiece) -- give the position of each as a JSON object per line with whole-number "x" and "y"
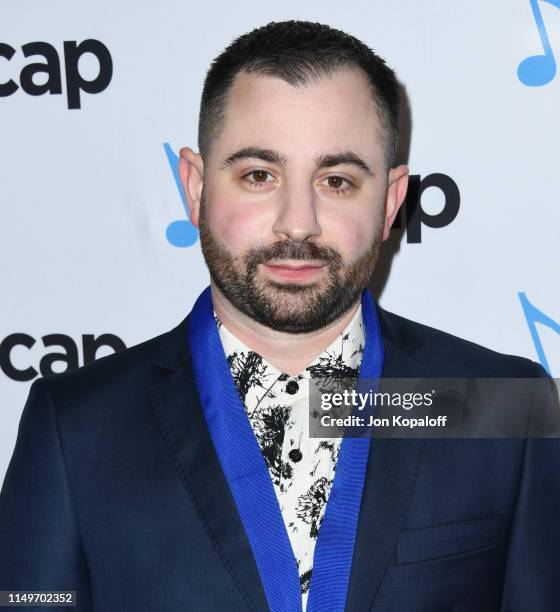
{"x": 274, "y": 157}
{"x": 348, "y": 158}
{"x": 268, "y": 155}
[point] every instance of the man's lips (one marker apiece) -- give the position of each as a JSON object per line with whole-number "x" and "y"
{"x": 295, "y": 270}
{"x": 296, "y": 265}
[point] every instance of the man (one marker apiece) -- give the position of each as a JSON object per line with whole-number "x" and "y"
{"x": 179, "y": 474}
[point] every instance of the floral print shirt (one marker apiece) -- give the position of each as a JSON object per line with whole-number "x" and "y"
{"x": 301, "y": 468}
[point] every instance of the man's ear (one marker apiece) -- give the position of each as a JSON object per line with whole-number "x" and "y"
{"x": 191, "y": 171}
{"x": 397, "y": 184}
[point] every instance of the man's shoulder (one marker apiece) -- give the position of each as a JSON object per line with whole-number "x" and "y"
{"x": 448, "y": 355}
{"x": 445, "y": 354}
{"x": 135, "y": 367}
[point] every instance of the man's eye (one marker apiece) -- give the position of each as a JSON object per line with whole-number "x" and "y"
{"x": 338, "y": 183}
{"x": 257, "y": 176}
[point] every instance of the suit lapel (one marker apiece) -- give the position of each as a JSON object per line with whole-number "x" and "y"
{"x": 187, "y": 438}
{"x": 391, "y": 474}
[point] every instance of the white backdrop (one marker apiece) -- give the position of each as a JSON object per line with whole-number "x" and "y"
{"x": 87, "y": 194}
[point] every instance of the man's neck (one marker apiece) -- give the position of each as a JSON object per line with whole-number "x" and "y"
{"x": 289, "y": 353}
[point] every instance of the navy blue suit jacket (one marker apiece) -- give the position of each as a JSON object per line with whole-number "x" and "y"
{"x": 114, "y": 490}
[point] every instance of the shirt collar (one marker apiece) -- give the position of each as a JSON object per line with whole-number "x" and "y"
{"x": 342, "y": 357}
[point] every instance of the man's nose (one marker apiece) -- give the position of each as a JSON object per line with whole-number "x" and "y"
{"x": 297, "y": 214}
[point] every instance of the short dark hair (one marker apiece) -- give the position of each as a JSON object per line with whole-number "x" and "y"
{"x": 297, "y": 52}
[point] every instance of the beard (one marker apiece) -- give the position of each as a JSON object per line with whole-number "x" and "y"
{"x": 287, "y": 307}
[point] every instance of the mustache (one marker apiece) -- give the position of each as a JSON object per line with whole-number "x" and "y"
{"x": 290, "y": 249}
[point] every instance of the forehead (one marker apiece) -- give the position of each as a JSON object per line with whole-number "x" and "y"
{"x": 331, "y": 113}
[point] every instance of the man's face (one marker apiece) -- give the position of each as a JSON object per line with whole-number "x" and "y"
{"x": 293, "y": 202}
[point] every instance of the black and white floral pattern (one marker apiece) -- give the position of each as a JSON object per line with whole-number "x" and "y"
{"x": 301, "y": 468}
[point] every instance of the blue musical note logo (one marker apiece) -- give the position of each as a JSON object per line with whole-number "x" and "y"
{"x": 539, "y": 70}
{"x": 534, "y": 316}
{"x": 180, "y": 233}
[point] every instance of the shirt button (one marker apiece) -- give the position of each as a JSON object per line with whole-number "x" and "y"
{"x": 292, "y": 387}
{"x": 295, "y": 455}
